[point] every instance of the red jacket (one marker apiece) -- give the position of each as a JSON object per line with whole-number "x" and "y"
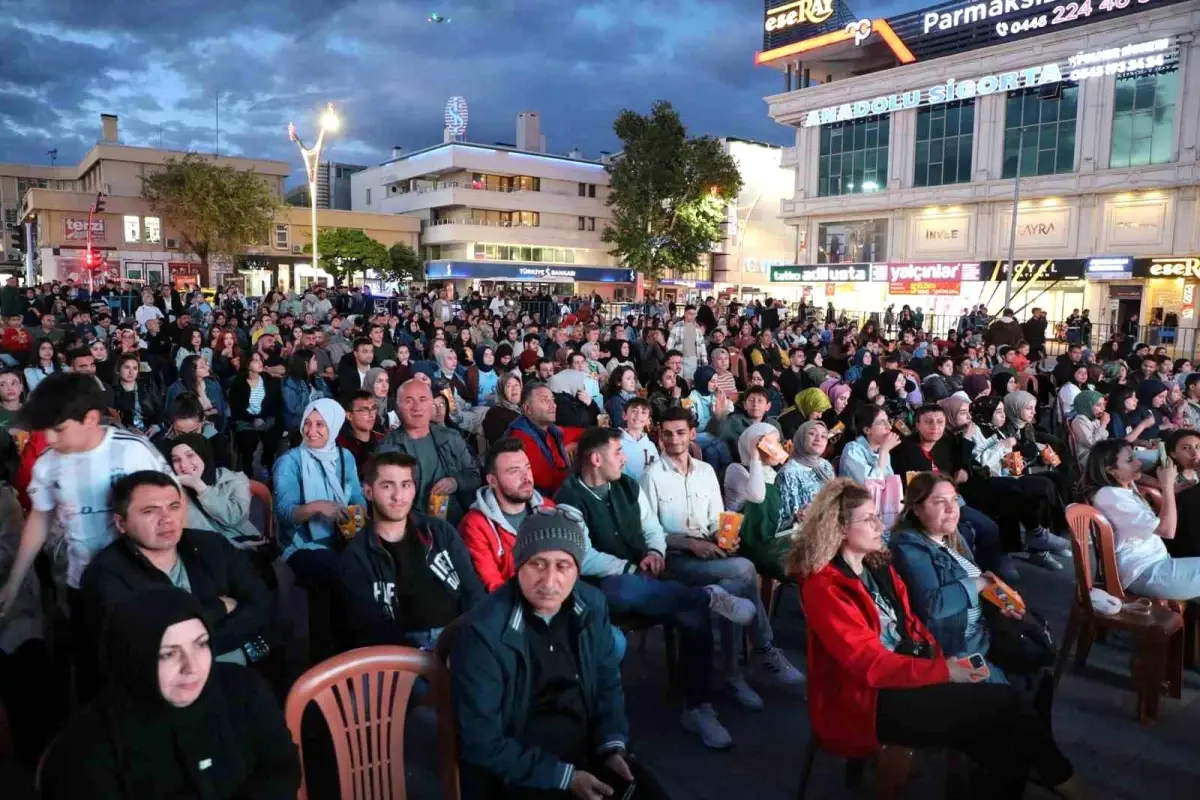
{"x": 489, "y": 540}
{"x": 547, "y": 452}
{"x": 16, "y": 341}
{"x": 848, "y": 664}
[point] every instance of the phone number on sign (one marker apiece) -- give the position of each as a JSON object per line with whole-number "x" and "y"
{"x": 1067, "y": 12}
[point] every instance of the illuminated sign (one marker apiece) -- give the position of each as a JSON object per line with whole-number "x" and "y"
{"x": 1112, "y": 61}
{"x": 1048, "y": 269}
{"x": 1177, "y": 267}
{"x": 1050, "y": 13}
{"x": 927, "y": 278}
{"x": 1109, "y": 267}
{"x": 76, "y": 229}
{"x": 812, "y": 12}
{"x": 822, "y": 273}
{"x": 456, "y": 116}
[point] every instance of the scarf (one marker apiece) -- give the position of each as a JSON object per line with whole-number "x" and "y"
{"x": 1085, "y": 402}
{"x": 982, "y": 411}
{"x": 975, "y": 385}
{"x": 320, "y": 470}
{"x": 814, "y": 461}
{"x": 887, "y": 383}
{"x": 1013, "y": 403}
{"x": 702, "y": 380}
{"x": 501, "y": 400}
{"x": 812, "y": 401}
{"x": 1149, "y": 389}
{"x": 747, "y": 441}
{"x": 952, "y": 405}
{"x": 200, "y": 445}
{"x": 479, "y": 351}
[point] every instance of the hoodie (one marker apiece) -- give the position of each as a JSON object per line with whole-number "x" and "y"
{"x": 489, "y": 537}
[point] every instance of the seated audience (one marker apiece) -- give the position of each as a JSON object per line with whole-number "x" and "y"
{"x": 171, "y": 723}
{"x": 877, "y": 676}
{"x": 256, "y": 406}
{"x": 218, "y": 499}
{"x": 545, "y": 443}
{"x": 1089, "y": 425}
{"x": 136, "y": 396}
{"x": 631, "y": 550}
{"x": 869, "y": 455}
{"x": 804, "y": 473}
{"x": 406, "y": 575}
{"x": 640, "y": 450}
{"x": 505, "y": 410}
{"x": 358, "y": 435}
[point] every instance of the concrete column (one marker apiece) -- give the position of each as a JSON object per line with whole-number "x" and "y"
{"x": 902, "y": 150}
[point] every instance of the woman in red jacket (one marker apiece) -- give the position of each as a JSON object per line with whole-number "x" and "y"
{"x": 877, "y": 676}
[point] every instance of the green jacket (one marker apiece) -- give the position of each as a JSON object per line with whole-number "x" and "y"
{"x": 619, "y": 525}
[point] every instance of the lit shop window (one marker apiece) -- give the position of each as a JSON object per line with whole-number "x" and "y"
{"x": 153, "y": 230}
{"x": 133, "y": 229}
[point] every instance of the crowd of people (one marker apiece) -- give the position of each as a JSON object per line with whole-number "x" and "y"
{"x": 532, "y": 481}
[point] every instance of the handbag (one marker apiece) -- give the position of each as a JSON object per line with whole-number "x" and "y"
{"x": 1019, "y": 646}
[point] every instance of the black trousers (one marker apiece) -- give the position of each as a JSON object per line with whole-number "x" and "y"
{"x": 1031, "y": 500}
{"x": 645, "y": 786}
{"x": 985, "y": 721}
{"x": 247, "y": 442}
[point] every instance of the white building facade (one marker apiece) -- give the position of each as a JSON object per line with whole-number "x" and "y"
{"x": 497, "y": 216}
{"x": 909, "y": 133}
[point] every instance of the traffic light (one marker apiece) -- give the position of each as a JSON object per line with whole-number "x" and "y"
{"x": 91, "y": 259}
{"x": 101, "y": 199}
{"x": 16, "y": 233}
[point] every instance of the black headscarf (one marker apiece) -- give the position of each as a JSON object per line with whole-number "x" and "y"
{"x": 887, "y": 383}
{"x": 1000, "y": 383}
{"x": 202, "y": 448}
{"x": 982, "y": 409}
{"x": 479, "y": 351}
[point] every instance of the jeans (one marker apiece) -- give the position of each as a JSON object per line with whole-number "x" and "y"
{"x": 715, "y": 451}
{"x": 1170, "y": 579}
{"x": 685, "y": 607}
{"x": 733, "y": 574}
{"x": 983, "y": 720}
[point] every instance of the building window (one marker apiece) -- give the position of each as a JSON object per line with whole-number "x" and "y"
{"x": 1144, "y": 119}
{"x": 591, "y": 190}
{"x": 1039, "y": 130}
{"x": 583, "y": 190}
{"x": 944, "y": 136}
{"x": 368, "y": 197}
{"x": 857, "y": 242}
{"x": 854, "y": 157}
{"x": 153, "y": 230}
{"x": 529, "y": 184}
{"x": 281, "y": 235}
{"x": 530, "y": 219}
{"x": 133, "y": 228}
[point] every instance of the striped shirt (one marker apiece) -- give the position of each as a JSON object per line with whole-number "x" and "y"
{"x": 257, "y": 393}
{"x": 973, "y": 572}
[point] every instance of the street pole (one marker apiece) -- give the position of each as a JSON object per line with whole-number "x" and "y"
{"x": 312, "y": 163}
{"x": 1012, "y": 233}
{"x": 740, "y": 230}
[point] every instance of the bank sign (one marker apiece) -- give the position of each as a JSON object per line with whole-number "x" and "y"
{"x": 1110, "y": 61}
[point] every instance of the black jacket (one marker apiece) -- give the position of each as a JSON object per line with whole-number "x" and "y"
{"x": 215, "y": 569}
{"x": 348, "y": 380}
{"x": 368, "y": 577}
{"x": 272, "y": 405}
{"x": 153, "y": 410}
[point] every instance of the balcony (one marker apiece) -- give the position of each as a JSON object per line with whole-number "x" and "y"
{"x": 464, "y": 193}
{"x": 456, "y": 230}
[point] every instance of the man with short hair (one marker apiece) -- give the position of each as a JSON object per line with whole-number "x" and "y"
{"x": 406, "y": 575}
{"x": 444, "y": 465}
{"x": 147, "y": 311}
{"x": 631, "y": 548}
{"x": 536, "y": 685}
{"x": 688, "y": 338}
{"x": 49, "y": 329}
{"x": 382, "y": 349}
{"x": 545, "y": 443}
{"x": 155, "y": 549}
{"x": 353, "y": 368}
{"x": 358, "y": 435}
{"x": 489, "y": 528}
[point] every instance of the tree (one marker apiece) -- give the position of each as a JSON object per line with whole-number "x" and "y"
{"x": 345, "y": 251}
{"x": 668, "y": 193}
{"x": 405, "y": 264}
{"x": 217, "y": 211}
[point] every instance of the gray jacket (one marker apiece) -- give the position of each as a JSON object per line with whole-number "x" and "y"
{"x": 225, "y": 509}
{"x": 454, "y": 461}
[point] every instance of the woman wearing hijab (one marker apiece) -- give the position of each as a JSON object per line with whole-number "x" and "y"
{"x": 805, "y": 473}
{"x": 378, "y": 382}
{"x": 1089, "y": 425}
{"x": 482, "y": 379}
{"x": 1152, "y": 398}
{"x": 1116, "y": 373}
{"x": 622, "y": 356}
{"x": 810, "y": 404}
{"x": 864, "y": 366}
{"x": 1020, "y": 407}
{"x": 171, "y": 723}
{"x": 506, "y": 410}
{"x": 977, "y": 386}
{"x": 1003, "y": 384}
{"x": 314, "y": 485}
{"x": 218, "y": 498}
{"x": 750, "y": 488}
{"x": 893, "y": 387}
{"x": 504, "y": 356}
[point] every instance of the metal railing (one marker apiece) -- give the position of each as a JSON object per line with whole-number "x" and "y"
{"x": 479, "y": 187}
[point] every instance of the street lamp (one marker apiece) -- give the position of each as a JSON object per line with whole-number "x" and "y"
{"x": 312, "y": 161}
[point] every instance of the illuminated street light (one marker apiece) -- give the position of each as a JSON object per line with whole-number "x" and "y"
{"x": 312, "y": 162}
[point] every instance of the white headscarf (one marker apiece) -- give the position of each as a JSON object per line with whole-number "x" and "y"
{"x": 320, "y": 470}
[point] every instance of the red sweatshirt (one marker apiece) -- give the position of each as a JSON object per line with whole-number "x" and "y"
{"x": 489, "y": 539}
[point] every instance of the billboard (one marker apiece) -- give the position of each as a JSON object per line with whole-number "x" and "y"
{"x": 927, "y": 278}
{"x": 75, "y": 229}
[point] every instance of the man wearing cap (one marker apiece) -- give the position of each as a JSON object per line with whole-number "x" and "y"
{"x": 536, "y": 686}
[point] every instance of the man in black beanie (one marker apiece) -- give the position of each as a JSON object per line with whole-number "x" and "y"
{"x": 535, "y": 678}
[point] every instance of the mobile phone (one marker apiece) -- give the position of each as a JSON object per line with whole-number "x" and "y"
{"x": 976, "y": 661}
{"x": 1162, "y": 454}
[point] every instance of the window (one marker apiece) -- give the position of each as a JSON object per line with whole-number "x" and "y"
{"x": 583, "y": 190}
{"x": 583, "y": 223}
{"x": 281, "y": 236}
{"x": 587, "y": 223}
{"x": 527, "y": 184}
{"x": 529, "y": 218}
{"x": 368, "y": 197}
{"x": 854, "y": 157}
{"x": 153, "y": 230}
{"x": 944, "y": 136}
{"x": 1039, "y": 130}
{"x": 1144, "y": 119}
{"x": 591, "y": 190}
{"x": 855, "y": 242}
{"x": 133, "y": 228}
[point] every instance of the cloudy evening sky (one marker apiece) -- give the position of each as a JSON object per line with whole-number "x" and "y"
{"x": 161, "y": 64}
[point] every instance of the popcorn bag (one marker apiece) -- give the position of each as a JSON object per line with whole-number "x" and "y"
{"x": 439, "y": 505}
{"x": 1002, "y": 595}
{"x": 729, "y": 530}
{"x": 1014, "y": 462}
{"x": 355, "y": 520}
{"x": 772, "y": 451}
{"x": 1049, "y": 457}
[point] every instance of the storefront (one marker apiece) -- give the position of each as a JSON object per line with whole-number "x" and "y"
{"x": 1170, "y": 288}
{"x": 682, "y": 290}
{"x": 611, "y": 283}
{"x": 853, "y": 286}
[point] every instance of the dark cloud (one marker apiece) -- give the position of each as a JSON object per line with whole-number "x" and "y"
{"x": 164, "y": 66}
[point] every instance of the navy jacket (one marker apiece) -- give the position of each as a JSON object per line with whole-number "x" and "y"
{"x": 491, "y": 687}
{"x": 368, "y": 578}
{"x": 939, "y": 590}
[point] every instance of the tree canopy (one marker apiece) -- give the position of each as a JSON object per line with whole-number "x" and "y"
{"x": 668, "y": 193}
{"x": 344, "y": 251}
{"x": 405, "y": 265}
{"x": 217, "y": 211}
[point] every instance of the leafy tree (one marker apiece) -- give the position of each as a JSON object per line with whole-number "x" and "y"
{"x": 405, "y": 264}
{"x": 345, "y": 251}
{"x": 218, "y": 211}
{"x": 669, "y": 193}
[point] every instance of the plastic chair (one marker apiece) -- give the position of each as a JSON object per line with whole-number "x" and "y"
{"x": 1190, "y": 611}
{"x": 262, "y": 493}
{"x": 363, "y": 695}
{"x": 1157, "y": 636}
{"x": 893, "y": 770}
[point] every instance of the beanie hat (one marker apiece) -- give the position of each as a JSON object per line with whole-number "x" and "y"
{"x": 548, "y": 530}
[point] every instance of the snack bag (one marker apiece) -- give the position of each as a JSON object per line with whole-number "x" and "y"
{"x": 772, "y": 451}
{"x": 450, "y": 406}
{"x": 686, "y": 403}
{"x": 439, "y": 504}
{"x": 603, "y": 420}
{"x": 1002, "y": 595}
{"x": 355, "y": 520}
{"x": 908, "y": 476}
{"x": 1049, "y": 457}
{"x": 901, "y": 427}
{"x": 837, "y": 429}
{"x": 1014, "y": 462}
{"x": 730, "y": 527}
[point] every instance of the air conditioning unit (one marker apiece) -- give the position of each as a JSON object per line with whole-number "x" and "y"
{"x": 172, "y": 244}
{"x": 297, "y": 249}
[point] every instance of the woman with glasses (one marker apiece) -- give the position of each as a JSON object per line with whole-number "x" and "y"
{"x": 869, "y": 456}
{"x": 878, "y": 676}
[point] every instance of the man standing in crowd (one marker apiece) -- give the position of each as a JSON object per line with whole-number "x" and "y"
{"x": 620, "y": 525}
{"x": 1004, "y": 330}
{"x": 407, "y": 575}
{"x": 353, "y": 368}
{"x": 545, "y": 443}
{"x": 444, "y": 465}
{"x": 688, "y": 338}
{"x": 537, "y": 685}
{"x": 1033, "y": 331}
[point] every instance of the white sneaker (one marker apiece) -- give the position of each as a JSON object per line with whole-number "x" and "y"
{"x": 1045, "y": 540}
{"x": 745, "y": 696}
{"x": 775, "y": 663}
{"x": 737, "y": 610}
{"x": 703, "y": 720}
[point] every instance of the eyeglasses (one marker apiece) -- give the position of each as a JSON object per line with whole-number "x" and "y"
{"x": 873, "y": 520}
{"x": 570, "y": 513}
{"x": 367, "y": 410}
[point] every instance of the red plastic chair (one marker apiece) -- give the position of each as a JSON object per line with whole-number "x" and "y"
{"x": 363, "y": 695}
{"x": 261, "y": 492}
